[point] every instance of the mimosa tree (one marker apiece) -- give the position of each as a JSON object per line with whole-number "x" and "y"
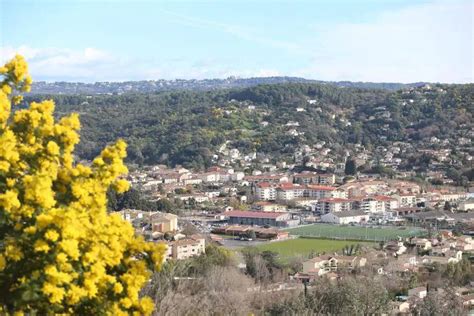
{"x": 60, "y": 251}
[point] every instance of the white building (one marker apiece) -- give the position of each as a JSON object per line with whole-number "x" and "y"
{"x": 406, "y": 200}
{"x": 345, "y": 217}
{"x": 265, "y": 191}
{"x": 466, "y": 205}
{"x": 333, "y": 205}
{"x": 378, "y": 204}
{"x": 186, "y": 248}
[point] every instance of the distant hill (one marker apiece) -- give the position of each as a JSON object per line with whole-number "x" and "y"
{"x": 42, "y": 87}
{"x": 431, "y": 127}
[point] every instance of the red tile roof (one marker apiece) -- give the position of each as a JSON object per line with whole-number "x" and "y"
{"x": 335, "y": 200}
{"x": 250, "y": 214}
{"x": 321, "y": 187}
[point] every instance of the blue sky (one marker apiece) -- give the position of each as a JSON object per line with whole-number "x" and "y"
{"x": 371, "y": 40}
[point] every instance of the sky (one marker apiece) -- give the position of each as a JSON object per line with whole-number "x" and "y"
{"x": 336, "y": 40}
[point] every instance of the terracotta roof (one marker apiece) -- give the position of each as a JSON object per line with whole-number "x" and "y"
{"x": 321, "y": 187}
{"x": 335, "y": 200}
{"x": 249, "y": 214}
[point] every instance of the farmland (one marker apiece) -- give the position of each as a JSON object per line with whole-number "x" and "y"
{"x": 355, "y": 232}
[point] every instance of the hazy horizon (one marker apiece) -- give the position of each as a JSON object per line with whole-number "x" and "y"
{"x": 361, "y": 41}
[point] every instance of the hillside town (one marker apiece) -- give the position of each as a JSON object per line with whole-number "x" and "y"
{"x": 231, "y": 208}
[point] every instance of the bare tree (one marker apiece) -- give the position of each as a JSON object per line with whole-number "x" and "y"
{"x": 439, "y": 303}
{"x": 221, "y": 291}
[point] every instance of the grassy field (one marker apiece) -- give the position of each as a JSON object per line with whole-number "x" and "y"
{"x": 355, "y": 232}
{"x": 304, "y": 246}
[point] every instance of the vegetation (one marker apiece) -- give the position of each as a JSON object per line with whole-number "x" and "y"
{"x": 60, "y": 252}
{"x": 304, "y": 246}
{"x": 355, "y": 232}
{"x": 188, "y": 127}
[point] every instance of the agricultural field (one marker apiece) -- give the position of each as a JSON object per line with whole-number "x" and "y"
{"x": 304, "y": 246}
{"x": 356, "y": 232}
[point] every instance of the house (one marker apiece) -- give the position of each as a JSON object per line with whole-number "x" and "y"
{"x": 464, "y": 243}
{"x": 345, "y": 217}
{"x": 130, "y": 214}
{"x": 210, "y": 176}
{"x": 398, "y": 308}
{"x": 186, "y": 248}
{"x": 320, "y": 265}
{"x": 164, "y": 222}
{"x": 468, "y": 300}
{"x": 418, "y": 292}
{"x": 351, "y": 262}
{"x": 264, "y": 206}
{"x": 395, "y": 248}
{"x": 198, "y": 198}
{"x": 192, "y": 181}
{"x": 467, "y": 205}
{"x": 421, "y": 243}
{"x": 448, "y": 257}
{"x": 403, "y": 263}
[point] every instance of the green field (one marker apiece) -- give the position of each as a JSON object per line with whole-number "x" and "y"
{"x": 305, "y": 246}
{"x": 355, "y": 232}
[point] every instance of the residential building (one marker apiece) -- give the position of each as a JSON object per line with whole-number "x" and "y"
{"x": 320, "y": 265}
{"x": 269, "y": 178}
{"x": 406, "y": 200}
{"x": 289, "y": 191}
{"x": 419, "y": 292}
{"x": 264, "y": 206}
{"x": 314, "y": 178}
{"x": 164, "y": 222}
{"x": 320, "y": 191}
{"x": 186, "y": 248}
{"x": 333, "y": 205}
{"x": 265, "y": 191}
{"x": 378, "y": 204}
{"x": 467, "y": 205}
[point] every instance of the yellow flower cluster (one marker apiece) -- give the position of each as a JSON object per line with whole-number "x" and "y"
{"x": 60, "y": 251}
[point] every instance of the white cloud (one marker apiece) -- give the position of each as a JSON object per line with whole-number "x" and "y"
{"x": 87, "y": 64}
{"x": 91, "y": 64}
{"x": 431, "y": 42}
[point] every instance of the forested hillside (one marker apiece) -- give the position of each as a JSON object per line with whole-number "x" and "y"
{"x": 188, "y": 127}
{"x": 161, "y": 85}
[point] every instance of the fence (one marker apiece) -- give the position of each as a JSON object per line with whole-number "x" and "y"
{"x": 355, "y": 233}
